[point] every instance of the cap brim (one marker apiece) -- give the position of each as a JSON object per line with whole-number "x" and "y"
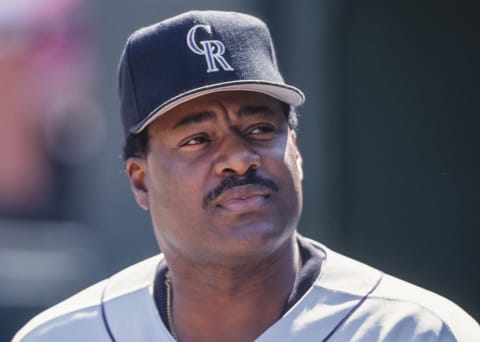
{"x": 282, "y": 92}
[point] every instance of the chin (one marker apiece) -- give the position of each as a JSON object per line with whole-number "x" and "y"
{"x": 254, "y": 239}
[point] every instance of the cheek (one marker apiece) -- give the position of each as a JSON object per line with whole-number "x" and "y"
{"x": 294, "y": 173}
{"x": 284, "y": 166}
{"x": 293, "y": 162}
{"x": 173, "y": 185}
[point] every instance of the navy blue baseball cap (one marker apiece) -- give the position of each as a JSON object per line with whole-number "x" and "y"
{"x": 194, "y": 54}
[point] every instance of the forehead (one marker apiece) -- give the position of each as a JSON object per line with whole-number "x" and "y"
{"x": 231, "y": 102}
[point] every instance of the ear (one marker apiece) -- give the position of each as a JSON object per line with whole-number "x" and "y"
{"x": 136, "y": 170}
{"x": 298, "y": 155}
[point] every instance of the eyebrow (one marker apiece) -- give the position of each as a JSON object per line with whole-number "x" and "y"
{"x": 195, "y": 118}
{"x": 255, "y": 110}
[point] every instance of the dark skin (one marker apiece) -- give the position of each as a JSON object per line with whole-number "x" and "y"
{"x": 237, "y": 246}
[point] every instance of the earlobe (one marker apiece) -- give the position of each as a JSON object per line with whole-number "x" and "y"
{"x": 136, "y": 171}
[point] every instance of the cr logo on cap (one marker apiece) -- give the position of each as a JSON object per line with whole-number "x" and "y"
{"x": 212, "y": 49}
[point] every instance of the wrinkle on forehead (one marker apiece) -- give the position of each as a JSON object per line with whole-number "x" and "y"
{"x": 195, "y": 118}
{"x": 198, "y": 110}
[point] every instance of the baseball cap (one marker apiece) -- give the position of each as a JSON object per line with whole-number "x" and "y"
{"x": 194, "y": 54}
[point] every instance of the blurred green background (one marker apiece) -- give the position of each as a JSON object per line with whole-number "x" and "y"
{"x": 389, "y": 137}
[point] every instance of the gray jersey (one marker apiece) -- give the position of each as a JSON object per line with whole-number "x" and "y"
{"x": 348, "y": 301}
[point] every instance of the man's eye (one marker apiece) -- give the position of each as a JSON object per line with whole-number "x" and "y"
{"x": 262, "y": 129}
{"x": 196, "y": 140}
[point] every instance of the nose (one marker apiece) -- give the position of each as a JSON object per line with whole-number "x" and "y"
{"x": 236, "y": 157}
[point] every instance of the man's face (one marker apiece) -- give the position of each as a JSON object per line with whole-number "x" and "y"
{"x": 222, "y": 178}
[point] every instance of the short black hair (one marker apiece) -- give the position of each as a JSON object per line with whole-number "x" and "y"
{"x": 136, "y": 145}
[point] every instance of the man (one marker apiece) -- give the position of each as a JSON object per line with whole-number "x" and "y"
{"x": 211, "y": 153}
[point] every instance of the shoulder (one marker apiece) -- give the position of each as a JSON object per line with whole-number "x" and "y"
{"x": 79, "y": 314}
{"x": 373, "y": 305}
{"x": 82, "y": 316}
{"x": 408, "y": 305}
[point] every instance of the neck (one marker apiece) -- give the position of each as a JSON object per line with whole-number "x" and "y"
{"x": 236, "y": 300}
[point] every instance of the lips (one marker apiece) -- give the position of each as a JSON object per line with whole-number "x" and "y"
{"x": 243, "y": 198}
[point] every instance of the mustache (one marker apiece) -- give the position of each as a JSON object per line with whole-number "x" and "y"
{"x": 251, "y": 177}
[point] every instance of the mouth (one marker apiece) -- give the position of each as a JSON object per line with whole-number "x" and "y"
{"x": 243, "y": 198}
